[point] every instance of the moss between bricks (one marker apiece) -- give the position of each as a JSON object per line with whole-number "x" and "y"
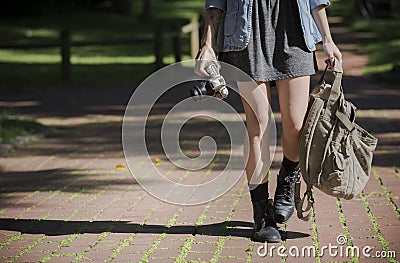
{"x": 387, "y": 193}
{"x": 342, "y": 219}
{"x": 372, "y": 218}
{"x": 315, "y": 237}
{"x": 40, "y": 239}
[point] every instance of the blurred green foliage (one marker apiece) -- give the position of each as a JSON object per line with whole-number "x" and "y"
{"x": 91, "y": 65}
{"x": 383, "y": 43}
{"x": 384, "y": 48}
{"x": 21, "y": 8}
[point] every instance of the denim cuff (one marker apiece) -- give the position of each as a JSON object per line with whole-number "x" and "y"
{"x": 220, "y": 4}
{"x": 316, "y": 3}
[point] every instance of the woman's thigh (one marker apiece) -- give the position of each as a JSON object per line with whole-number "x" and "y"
{"x": 293, "y": 100}
{"x": 256, "y": 99}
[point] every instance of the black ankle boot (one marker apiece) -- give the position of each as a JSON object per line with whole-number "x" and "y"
{"x": 265, "y": 229}
{"x": 284, "y": 194}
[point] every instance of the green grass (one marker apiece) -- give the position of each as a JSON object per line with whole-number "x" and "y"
{"x": 11, "y": 127}
{"x": 91, "y": 65}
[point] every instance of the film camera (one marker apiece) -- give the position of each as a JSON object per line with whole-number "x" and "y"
{"x": 215, "y": 86}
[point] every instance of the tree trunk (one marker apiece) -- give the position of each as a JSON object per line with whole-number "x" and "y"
{"x": 146, "y": 10}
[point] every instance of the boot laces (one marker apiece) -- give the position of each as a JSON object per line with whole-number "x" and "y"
{"x": 290, "y": 181}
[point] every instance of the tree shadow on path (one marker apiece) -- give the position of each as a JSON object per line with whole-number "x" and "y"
{"x": 60, "y": 227}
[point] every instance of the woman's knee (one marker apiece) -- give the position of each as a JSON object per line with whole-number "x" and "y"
{"x": 254, "y": 132}
{"x": 258, "y": 126}
{"x": 293, "y": 129}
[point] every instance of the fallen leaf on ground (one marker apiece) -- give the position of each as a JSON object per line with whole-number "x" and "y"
{"x": 120, "y": 167}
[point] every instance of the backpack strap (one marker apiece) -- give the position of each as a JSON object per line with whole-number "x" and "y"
{"x": 299, "y": 202}
{"x": 336, "y": 89}
{"x": 315, "y": 93}
{"x": 322, "y": 78}
{"x": 337, "y": 83}
{"x": 350, "y": 126}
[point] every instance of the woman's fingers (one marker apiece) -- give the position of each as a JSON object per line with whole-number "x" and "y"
{"x": 333, "y": 54}
{"x": 338, "y": 56}
{"x": 205, "y": 56}
{"x": 330, "y": 61}
{"x": 199, "y": 68}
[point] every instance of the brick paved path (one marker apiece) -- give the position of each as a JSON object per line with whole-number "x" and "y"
{"x": 63, "y": 200}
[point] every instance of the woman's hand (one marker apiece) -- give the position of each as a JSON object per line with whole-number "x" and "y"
{"x": 333, "y": 53}
{"x": 206, "y": 55}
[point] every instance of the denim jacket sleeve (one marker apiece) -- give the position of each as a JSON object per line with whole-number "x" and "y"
{"x": 311, "y": 33}
{"x": 234, "y": 29}
{"x": 315, "y": 3}
{"x": 221, "y": 4}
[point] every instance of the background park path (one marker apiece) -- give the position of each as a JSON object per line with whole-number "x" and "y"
{"x": 68, "y": 198}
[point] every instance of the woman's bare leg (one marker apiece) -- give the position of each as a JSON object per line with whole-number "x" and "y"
{"x": 293, "y": 100}
{"x": 257, "y": 121}
{"x": 256, "y": 101}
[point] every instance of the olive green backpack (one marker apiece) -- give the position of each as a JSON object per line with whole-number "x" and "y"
{"x": 335, "y": 153}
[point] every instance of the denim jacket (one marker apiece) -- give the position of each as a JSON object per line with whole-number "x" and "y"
{"x": 235, "y": 28}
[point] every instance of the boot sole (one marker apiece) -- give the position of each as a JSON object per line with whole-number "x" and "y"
{"x": 258, "y": 239}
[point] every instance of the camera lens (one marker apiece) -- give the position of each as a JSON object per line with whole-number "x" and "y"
{"x": 195, "y": 92}
{"x": 203, "y": 88}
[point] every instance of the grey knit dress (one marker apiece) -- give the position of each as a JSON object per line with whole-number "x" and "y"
{"x": 277, "y": 49}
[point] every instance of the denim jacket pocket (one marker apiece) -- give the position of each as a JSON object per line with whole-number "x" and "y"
{"x": 232, "y": 6}
{"x": 231, "y": 16}
{"x": 230, "y": 25}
